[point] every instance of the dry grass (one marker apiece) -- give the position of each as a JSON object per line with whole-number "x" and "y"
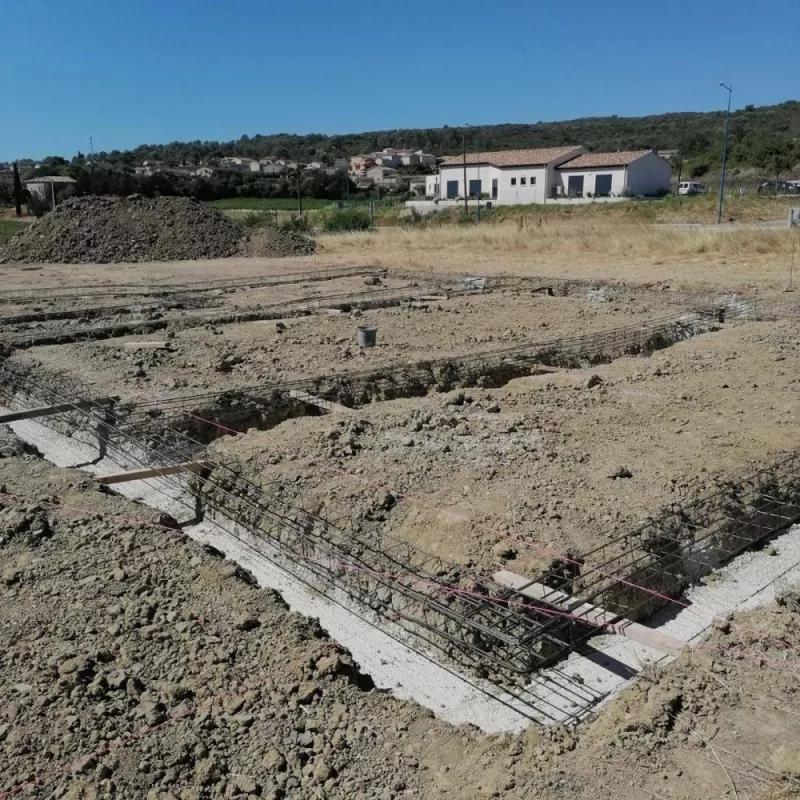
{"x": 571, "y": 248}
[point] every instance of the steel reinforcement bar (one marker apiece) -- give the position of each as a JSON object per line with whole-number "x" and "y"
{"x": 478, "y": 624}
{"x": 440, "y": 604}
{"x": 684, "y": 542}
{"x": 484, "y": 368}
{"x": 375, "y": 298}
{"x": 146, "y": 290}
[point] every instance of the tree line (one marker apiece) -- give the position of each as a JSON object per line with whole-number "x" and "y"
{"x": 758, "y": 135}
{"x": 111, "y": 179}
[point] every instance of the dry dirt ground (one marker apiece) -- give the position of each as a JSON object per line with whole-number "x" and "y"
{"x": 134, "y": 663}
{"x": 726, "y": 258}
{"x": 138, "y": 664}
{"x": 220, "y": 357}
{"x": 528, "y": 469}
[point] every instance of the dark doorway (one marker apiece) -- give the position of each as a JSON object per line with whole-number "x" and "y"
{"x": 475, "y": 189}
{"x": 602, "y": 186}
{"x": 575, "y": 186}
{"x": 452, "y": 190}
{"x": 494, "y": 188}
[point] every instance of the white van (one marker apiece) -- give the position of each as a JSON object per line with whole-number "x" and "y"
{"x": 691, "y": 187}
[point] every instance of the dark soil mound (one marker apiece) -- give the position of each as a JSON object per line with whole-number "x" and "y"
{"x": 112, "y": 230}
{"x": 275, "y": 243}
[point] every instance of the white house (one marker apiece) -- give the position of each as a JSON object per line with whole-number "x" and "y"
{"x": 431, "y": 186}
{"x": 427, "y": 159}
{"x": 385, "y": 177}
{"x": 507, "y": 177}
{"x": 388, "y": 157}
{"x": 639, "y": 172}
{"x": 240, "y": 164}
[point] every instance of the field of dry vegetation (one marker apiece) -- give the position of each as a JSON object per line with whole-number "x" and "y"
{"x": 580, "y": 248}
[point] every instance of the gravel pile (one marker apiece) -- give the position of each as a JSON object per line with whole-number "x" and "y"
{"x": 104, "y": 230}
{"x": 274, "y": 243}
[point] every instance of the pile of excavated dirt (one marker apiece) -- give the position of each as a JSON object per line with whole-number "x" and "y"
{"x": 275, "y": 243}
{"x": 105, "y": 230}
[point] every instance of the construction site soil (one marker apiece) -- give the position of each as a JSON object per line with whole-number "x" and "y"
{"x": 548, "y": 465}
{"x": 136, "y": 663}
{"x": 179, "y": 309}
{"x": 226, "y": 357}
{"x": 136, "y": 228}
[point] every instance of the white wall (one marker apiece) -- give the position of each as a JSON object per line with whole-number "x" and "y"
{"x": 506, "y": 193}
{"x": 649, "y": 174}
{"x": 589, "y": 179}
{"x": 432, "y": 186}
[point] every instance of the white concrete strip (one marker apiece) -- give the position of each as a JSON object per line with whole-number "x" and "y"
{"x": 319, "y": 402}
{"x": 750, "y": 581}
{"x": 391, "y": 663}
{"x": 593, "y": 614}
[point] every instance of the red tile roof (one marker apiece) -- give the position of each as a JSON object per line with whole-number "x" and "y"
{"x": 513, "y": 158}
{"x": 589, "y": 160}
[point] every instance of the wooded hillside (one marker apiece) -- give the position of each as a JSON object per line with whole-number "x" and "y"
{"x": 759, "y": 135}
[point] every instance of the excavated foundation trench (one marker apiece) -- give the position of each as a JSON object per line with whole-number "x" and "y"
{"x": 476, "y": 625}
{"x": 210, "y": 416}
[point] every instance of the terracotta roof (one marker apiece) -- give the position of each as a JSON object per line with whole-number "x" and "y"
{"x": 512, "y": 158}
{"x": 588, "y": 160}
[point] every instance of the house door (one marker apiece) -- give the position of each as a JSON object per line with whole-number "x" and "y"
{"x": 575, "y": 186}
{"x": 602, "y": 186}
{"x": 452, "y": 190}
{"x": 475, "y": 189}
{"x": 494, "y": 188}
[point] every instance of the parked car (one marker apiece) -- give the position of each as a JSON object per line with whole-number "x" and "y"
{"x": 691, "y": 187}
{"x": 779, "y": 187}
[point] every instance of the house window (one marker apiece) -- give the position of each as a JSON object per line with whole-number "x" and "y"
{"x": 522, "y": 181}
{"x": 513, "y": 181}
{"x": 533, "y": 180}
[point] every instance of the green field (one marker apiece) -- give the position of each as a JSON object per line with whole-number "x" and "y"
{"x": 9, "y": 227}
{"x": 267, "y": 204}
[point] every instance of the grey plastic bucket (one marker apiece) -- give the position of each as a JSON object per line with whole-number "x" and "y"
{"x": 367, "y": 335}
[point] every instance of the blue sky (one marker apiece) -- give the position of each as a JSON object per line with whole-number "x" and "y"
{"x": 128, "y": 72}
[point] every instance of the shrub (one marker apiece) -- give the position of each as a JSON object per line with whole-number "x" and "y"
{"x": 348, "y": 219}
{"x": 256, "y": 219}
{"x": 38, "y": 205}
{"x": 296, "y": 224}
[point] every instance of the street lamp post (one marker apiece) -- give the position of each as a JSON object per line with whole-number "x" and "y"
{"x": 466, "y": 192}
{"x": 729, "y": 90}
{"x": 478, "y": 198}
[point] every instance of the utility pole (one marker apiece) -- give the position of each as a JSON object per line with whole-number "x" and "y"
{"x": 729, "y": 90}
{"x": 466, "y": 192}
{"x": 299, "y": 193}
{"x": 91, "y": 147}
{"x": 680, "y": 152}
{"x": 478, "y": 198}
{"x": 17, "y": 191}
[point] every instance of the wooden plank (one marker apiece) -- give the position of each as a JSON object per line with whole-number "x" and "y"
{"x": 146, "y": 345}
{"x": 591, "y": 613}
{"x": 319, "y": 402}
{"x": 544, "y": 368}
{"x": 46, "y": 411}
{"x": 154, "y": 472}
